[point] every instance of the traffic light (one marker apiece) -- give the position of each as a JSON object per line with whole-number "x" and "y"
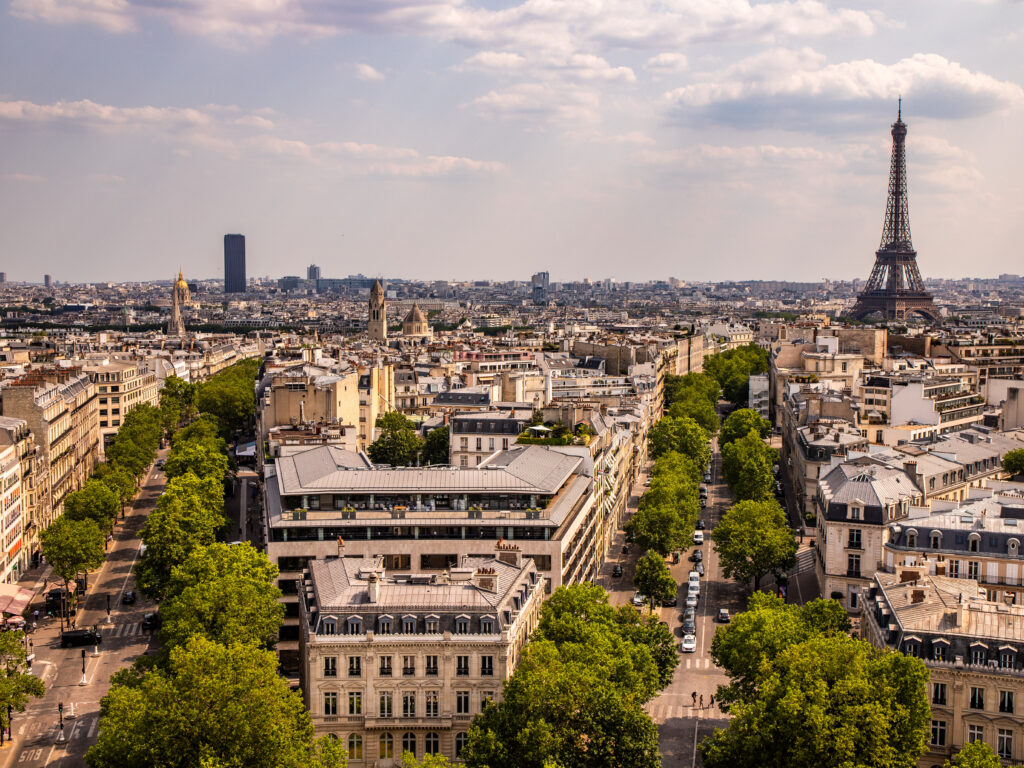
{"x": 60, "y": 707}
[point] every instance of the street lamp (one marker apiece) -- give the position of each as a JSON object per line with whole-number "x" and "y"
{"x": 10, "y": 724}
{"x": 60, "y": 712}
{"x": 95, "y": 639}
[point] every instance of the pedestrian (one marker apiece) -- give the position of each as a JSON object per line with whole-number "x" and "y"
{"x": 702, "y": 701}
{"x": 34, "y": 625}
{"x": 711, "y": 702}
{"x": 694, "y": 695}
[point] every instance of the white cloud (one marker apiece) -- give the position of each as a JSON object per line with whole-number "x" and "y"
{"x": 794, "y": 89}
{"x": 578, "y": 66}
{"x": 366, "y": 72}
{"x": 541, "y": 103}
{"x": 668, "y": 62}
{"x": 255, "y": 121}
{"x": 710, "y": 157}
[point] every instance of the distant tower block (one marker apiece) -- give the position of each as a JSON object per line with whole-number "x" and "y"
{"x": 378, "y": 324}
{"x": 47, "y": 281}
{"x": 312, "y": 272}
{"x": 895, "y": 289}
{"x": 234, "y": 263}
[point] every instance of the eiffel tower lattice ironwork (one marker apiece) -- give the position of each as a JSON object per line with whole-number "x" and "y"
{"x": 895, "y": 288}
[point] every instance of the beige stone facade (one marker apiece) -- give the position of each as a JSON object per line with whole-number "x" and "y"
{"x": 120, "y": 387}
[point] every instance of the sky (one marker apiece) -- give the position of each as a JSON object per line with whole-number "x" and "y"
{"x": 489, "y": 139}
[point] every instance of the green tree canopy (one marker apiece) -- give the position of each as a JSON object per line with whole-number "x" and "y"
{"x": 126, "y": 454}
{"x": 831, "y": 701}
{"x": 733, "y": 368}
{"x": 975, "y": 754}
{"x": 17, "y": 684}
{"x": 676, "y": 465}
{"x": 653, "y": 580}
{"x": 1013, "y": 462}
{"x": 204, "y": 428}
{"x": 202, "y": 459}
{"x": 397, "y": 443}
{"x": 210, "y": 702}
{"x": 72, "y": 546}
{"x": 752, "y": 540}
{"x": 117, "y": 479}
{"x": 435, "y": 448}
{"x": 95, "y": 501}
{"x": 230, "y": 396}
{"x": 697, "y": 407}
{"x": 747, "y": 467}
{"x": 177, "y": 402}
{"x": 739, "y": 423}
{"x": 683, "y": 435}
{"x": 659, "y": 528}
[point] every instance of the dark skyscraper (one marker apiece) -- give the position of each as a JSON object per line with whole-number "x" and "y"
{"x": 234, "y": 263}
{"x": 47, "y": 281}
{"x": 312, "y": 272}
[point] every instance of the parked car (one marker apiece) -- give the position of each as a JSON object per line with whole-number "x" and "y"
{"x": 701, "y": 525}
{"x": 639, "y": 600}
{"x": 698, "y": 537}
{"x": 723, "y": 616}
{"x": 675, "y": 558}
{"x": 617, "y": 571}
{"x": 696, "y": 556}
{"x": 670, "y": 603}
{"x": 151, "y": 622}
{"x": 80, "y": 637}
{"x": 689, "y": 644}
{"x": 703, "y": 491}
{"x": 699, "y": 568}
{"x": 693, "y": 577}
{"x": 128, "y": 598}
{"x": 693, "y": 588}
{"x": 691, "y": 600}
{"x": 690, "y": 613}
{"x": 689, "y": 626}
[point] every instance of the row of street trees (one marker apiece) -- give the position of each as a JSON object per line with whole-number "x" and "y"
{"x": 213, "y": 696}
{"x": 577, "y": 696}
{"x": 733, "y": 368}
{"x": 399, "y": 444}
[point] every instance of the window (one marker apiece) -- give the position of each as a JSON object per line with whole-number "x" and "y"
{"x": 938, "y": 733}
{"x": 939, "y": 652}
{"x": 386, "y": 704}
{"x": 855, "y": 513}
{"x": 854, "y": 540}
{"x": 431, "y": 743}
{"x": 462, "y": 702}
{"x": 977, "y": 698}
{"x": 975, "y": 543}
{"x": 355, "y": 702}
{"x": 355, "y": 625}
{"x": 973, "y": 566}
{"x": 385, "y": 625}
{"x": 432, "y": 705}
{"x": 938, "y": 693}
{"x": 432, "y": 625}
{"x": 461, "y": 626}
{"x": 409, "y": 743}
{"x": 331, "y": 703}
{"x": 431, "y": 665}
{"x": 387, "y": 745}
{"x": 479, "y": 443}
{"x": 385, "y": 666}
{"x": 1006, "y": 659}
{"x": 463, "y": 460}
{"x": 978, "y": 655}
{"x": 853, "y": 598}
{"x": 936, "y": 540}
{"x": 330, "y": 666}
{"x": 408, "y": 665}
{"x": 486, "y": 666}
{"x": 1006, "y": 702}
{"x": 912, "y": 540}
{"x": 462, "y": 665}
{"x": 355, "y": 666}
{"x": 487, "y": 626}
{"x": 328, "y": 627}
{"x": 853, "y": 565}
{"x": 490, "y": 443}
{"x": 1004, "y": 743}
{"x": 954, "y": 569}
{"x": 355, "y": 747}
{"x": 409, "y": 704}
{"x": 408, "y": 625}
{"x": 461, "y": 740}
{"x": 975, "y": 733}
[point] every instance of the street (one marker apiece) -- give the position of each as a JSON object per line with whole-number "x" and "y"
{"x": 37, "y": 733}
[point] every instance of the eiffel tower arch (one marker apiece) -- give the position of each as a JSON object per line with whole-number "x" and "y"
{"x": 895, "y": 289}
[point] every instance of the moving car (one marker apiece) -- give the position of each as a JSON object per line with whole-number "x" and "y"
{"x": 617, "y": 571}
{"x": 701, "y": 525}
{"x": 128, "y": 598}
{"x": 80, "y": 637}
{"x": 689, "y": 644}
{"x": 639, "y": 600}
{"x": 723, "y": 616}
{"x": 151, "y": 621}
{"x": 696, "y": 556}
{"x": 698, "y": 537}
{"x": 689, "y": 626}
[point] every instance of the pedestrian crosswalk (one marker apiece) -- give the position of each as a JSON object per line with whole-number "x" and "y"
{"x": 123, "y": 629}
{"x": 43, "y": 729}
{"x": 663, "y": 712}
{"x": 693, "y": 663}
{"x": 804, "y": 561}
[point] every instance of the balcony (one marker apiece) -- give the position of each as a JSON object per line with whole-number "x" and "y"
{"x": 385, "y": 672}
{"x": 853, "y": 574}
{"x": 408, "y": 671}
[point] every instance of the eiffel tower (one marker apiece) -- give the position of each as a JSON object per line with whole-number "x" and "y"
{"x": 895, "y": 288}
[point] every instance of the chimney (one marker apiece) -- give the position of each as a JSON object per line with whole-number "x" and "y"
{"x": 508, "y": 553}
{"x": 486, "y": 579}
{"x": 916, "y": 596}
{"x": 341, "y": 547}
{"x": 373, "y": 587}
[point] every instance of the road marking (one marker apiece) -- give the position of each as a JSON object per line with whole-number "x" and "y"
{"x": 696, "y": 726}
{"x": 93, "y": 727}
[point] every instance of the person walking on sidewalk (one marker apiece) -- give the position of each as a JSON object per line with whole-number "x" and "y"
{"x": 702, "y": 701}
{"x": 694, "y": 695}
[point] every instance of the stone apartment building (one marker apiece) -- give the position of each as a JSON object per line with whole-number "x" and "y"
{"x": 973, "y": 649}
{"x": 394, "y": 663}
{"x": 472, "y": 437}
{"x": 60, "y": 406}
{"x": 121, "y": 385}
{"x": 304, "y": 394}
{"x": 12, "y": 512}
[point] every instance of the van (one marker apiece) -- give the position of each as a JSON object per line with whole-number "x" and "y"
{"x": 698, "y": 537}
{"x": 80, "y": 637}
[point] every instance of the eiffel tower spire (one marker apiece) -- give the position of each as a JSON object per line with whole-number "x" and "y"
{"x": 895, "y": 287}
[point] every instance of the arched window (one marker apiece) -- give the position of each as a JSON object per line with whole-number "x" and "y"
{"x": 1013, "y": 547}
{"x": 409, "y": 743}
{"x": 936, "y": 539}
{"x": 387, "y": 745}
{"x": 912, "y": 538}
{"x": 461, "y": 740}
{"x": 431, "y": 743}
{"x": 975, "y": 542}
{"x": 355, "y": 747}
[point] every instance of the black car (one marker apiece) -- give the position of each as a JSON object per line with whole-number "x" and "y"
{"x": 701, "y": 525}
{"x": 697, "y": 556}
{"x": 80, "y": 637}
{"x": 617, "y": 570}
{"x": 625, "y": 549}
{"x": 689, "y": 627}
{"x": 128, "y": 598}
{"x": 670, "y": 603}
{"x": 151, "y": 621}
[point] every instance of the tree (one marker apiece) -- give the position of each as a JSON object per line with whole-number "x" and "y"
{"x": 659, "y": 528}
{"x": 653, "y": 580}
{"x": 230, "y": 396}
{"x": 760, "y": 633}
{"x": 975, "y": 754}
{"x": 177, "y": 402}
{"x": 435, "y": 449}
{"x": 128, "y": 455}
{"x": 71, "y": 546}
{"x": 200, "y": 458}
{"x": 828, "y": 702}
{"x": 225, "y": 594}
{"x": 117, "y": 479}
{"x": 428, "y": 761}
{"x": 1013, "y": 462}
{"x": 95, "y": 501}
{"x": 752, "y": 540}
{"x": 733, "y": 369}
{"x": 676, "y": 465}
{"x": 694, "y": 405}
{"x": 683, "y": 435}
{"x": 203, "y": 429}
{"x": 17, "y": 684}
{"x": 747, "y": 467}
{"x": 397, "y": 443}
{"x": 210, "y": 702}
{"x": 739, "y": 423}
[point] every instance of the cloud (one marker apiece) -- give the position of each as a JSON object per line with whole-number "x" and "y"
{"x": 215, "y": 128}
{"x": 668, "y": 62}
{"x": 719, "y": 158}
{"x": 366, "y": 72}
{"x": 794, "y": 89}
{"x": 577, "y": 66}
{"x": 541, "y": 103}
{"x": 26, "y": 178}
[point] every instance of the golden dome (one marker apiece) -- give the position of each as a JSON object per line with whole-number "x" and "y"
{"x": 180, "y": 281}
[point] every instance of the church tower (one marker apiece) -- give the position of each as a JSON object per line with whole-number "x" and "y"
{"x": 378, "y": 324}
{"x": 179, "y": 296}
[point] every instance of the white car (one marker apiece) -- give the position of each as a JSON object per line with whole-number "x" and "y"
{"x": 698, "y": 537}
{"x": 693, "y": 577}
{"x": 689, "y": 644}
{"x": 693, "y": 589}
{"x": 639, "y": 600}
{"x": 691, "y": 600}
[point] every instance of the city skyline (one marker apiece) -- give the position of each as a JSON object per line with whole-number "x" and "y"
{"x": 456, "y": 140}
